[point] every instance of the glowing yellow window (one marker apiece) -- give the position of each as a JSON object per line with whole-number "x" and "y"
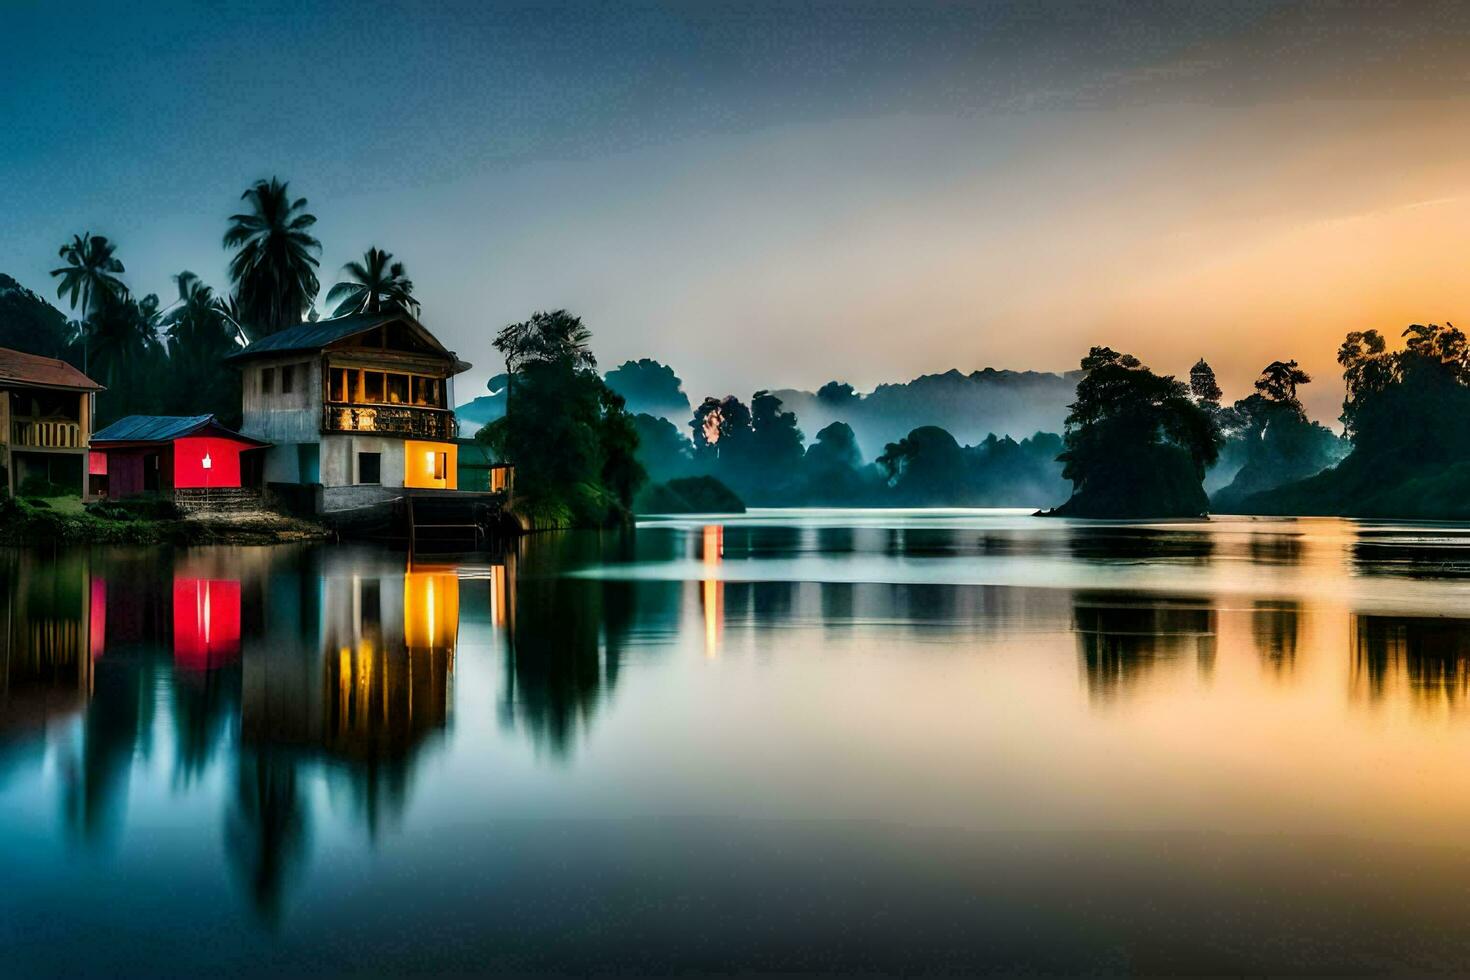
{"x": 431, "y": 465}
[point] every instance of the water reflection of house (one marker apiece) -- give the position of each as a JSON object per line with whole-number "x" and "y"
{"x": 206, "y": 622}
{"x": 1423, "y": 659}
{"x": 45, "y": 648}
{"x": 361, "y": 670}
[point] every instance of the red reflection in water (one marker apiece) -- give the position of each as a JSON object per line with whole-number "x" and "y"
{"x": 206, "y": 622}
{"x": 97, "y": 618}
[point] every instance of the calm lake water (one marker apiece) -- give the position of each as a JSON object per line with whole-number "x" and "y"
{"x": 825, "y": 741}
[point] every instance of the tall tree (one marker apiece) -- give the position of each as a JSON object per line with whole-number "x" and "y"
{"x": 274, "y": 268}
{"x": 721, "y": 427}
{"x": 569, "y": 435}
{"x": 776, "y": 441}
{"x": 1202, "y": 383}
{"x": 126, "y": 356}
{"x": 200, "y": 336}
{"x": 91, "y": 271}
{"x": 1270, "y": 434}
{"x": 90, "y": 275}
{"x": 377, "y": 284}
{"x": 557, "y": 336}
{"x": 1278, "y": 382}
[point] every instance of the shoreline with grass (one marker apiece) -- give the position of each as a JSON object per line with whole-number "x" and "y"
{"x": 32, "y": 521}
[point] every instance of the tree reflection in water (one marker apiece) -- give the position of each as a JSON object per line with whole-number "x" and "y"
{"x": 1426, "y": 659}
{"x": 126, "y": 632}
{"x": 1121, "y": 639}
{"x": 567, "y": 635}
{"x": 1276, "y": 626}
{"x": 267, "y": 828}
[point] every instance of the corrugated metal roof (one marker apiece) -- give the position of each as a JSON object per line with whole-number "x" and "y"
{"x": 314, "y": 336}
{"x": 151, "y": 428}
{"x": 32, "y": 369}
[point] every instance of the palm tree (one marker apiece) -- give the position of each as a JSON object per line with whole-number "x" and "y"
{"x": 91, "y": 273}
{"x": 228, "y": 308}
{"x": 1279, "y": 380}
{"x": 273, "y": 270}
{"x": 194, "y": 324}
{"x": 377, "y": 284}
{"x": 555, "y": 336}
{"x": 201, "y": 333}
{"x": 124, "y": 333}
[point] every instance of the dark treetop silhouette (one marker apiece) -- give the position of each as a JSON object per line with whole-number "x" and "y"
{"x": 1137, "y": 445}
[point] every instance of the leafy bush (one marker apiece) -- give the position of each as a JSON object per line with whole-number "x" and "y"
{"x": 144, "y": 507}
{"x": 39, "y": 486}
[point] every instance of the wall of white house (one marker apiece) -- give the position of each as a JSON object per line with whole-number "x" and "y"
{"x": 339, "y": 459}
{"x": 277, "y": 416}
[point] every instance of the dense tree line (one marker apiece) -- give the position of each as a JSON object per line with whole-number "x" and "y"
{"x": 759, "y": 451}
{"x": 1401, "y": 411}
{"x": 168, "y": 359}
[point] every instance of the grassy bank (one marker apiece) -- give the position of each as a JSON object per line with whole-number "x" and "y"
{"x": 66, "y": 521}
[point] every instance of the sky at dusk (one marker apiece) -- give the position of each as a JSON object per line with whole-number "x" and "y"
{"x": 779, "y": 195}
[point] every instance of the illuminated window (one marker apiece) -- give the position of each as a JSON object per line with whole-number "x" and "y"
{"x": 267, "y": 380}
{"x": 372, "y": 386}
{"x": 441, "y": 465}
{"x": 369, "y": 467}
{"x": 397, "y": 389}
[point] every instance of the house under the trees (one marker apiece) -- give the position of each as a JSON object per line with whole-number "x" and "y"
{"x": 189, "y": 458}
{"x": 359, "y": 411}
{"x": 45, "y": 423}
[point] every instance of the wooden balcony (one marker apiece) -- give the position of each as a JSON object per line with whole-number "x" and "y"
{"x": 46, "y": 434}
{"x": 411, "y": 422}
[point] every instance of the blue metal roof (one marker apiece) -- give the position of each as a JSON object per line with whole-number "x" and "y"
{"x": 162, "y": 428}
{"x": 314, "y": 336}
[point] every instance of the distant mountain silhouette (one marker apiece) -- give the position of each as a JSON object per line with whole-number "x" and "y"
{"x": 968, "y": 406}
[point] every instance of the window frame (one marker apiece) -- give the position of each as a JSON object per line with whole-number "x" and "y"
{"x": 378, "y": 464}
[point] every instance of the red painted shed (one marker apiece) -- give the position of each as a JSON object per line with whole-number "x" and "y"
{"x": 164, "y": 453}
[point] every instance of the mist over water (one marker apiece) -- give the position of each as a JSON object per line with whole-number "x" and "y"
{"x": 794, "y": 740}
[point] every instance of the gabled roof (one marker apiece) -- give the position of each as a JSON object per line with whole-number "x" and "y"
{"x": 43, "y": 372}
{"x": 165, "y": 428}
{"x": 323, "y": 333}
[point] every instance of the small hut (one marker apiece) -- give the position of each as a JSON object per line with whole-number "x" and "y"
{"x": 177, "y": 456}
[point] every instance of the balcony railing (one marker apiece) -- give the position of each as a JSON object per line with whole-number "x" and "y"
{"x": 46, "y": 433}
{"x": 390, "y": 420}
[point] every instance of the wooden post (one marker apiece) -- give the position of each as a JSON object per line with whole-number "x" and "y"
{"x": 412, "y": 533}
